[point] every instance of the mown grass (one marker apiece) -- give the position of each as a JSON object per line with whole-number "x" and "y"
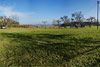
{"x": 50, "y": 47}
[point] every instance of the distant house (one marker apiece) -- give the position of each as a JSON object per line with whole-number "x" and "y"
{"x": 37, "y": 26}
{"x": 28, "y": 26}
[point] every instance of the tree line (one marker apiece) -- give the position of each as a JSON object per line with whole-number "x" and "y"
{"x": 77, "y": 20}
{"x": 9, "y": 21}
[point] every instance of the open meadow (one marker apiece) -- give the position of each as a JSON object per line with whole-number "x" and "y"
{"x": 50, "y": 47}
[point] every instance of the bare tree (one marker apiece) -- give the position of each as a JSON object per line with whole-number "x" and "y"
{"x": 1, "y": 20}
{"x": 78, "y": 16}
{"x": 72, "y": 20}
{"x": 54, "y": 22}
{"x": 15, "y": 18}
{"x": 65, "y": 19}
{"x": 91, "y": 20}
{"x": 44, "y": 22}
{"x": 58, "y": 21}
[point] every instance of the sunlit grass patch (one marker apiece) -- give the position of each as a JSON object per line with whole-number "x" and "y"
{"x": 50, "y": 47}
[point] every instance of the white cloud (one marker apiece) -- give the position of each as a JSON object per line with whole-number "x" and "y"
{"x": 24, "y": 17}
{"x": 9, "y": 11}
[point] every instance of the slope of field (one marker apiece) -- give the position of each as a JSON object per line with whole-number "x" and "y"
{"x": 50, "y": 47}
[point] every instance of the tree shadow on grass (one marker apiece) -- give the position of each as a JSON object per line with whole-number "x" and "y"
{"x": 29, "y": 45}
{"x": 53, "y": 36}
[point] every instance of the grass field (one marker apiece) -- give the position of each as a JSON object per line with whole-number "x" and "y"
{"x": 50, "y": 47}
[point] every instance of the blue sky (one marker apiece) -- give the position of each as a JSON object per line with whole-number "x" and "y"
{"x": 36, "y": 11}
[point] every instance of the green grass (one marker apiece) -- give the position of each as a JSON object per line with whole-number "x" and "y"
{"x": 50, "y": 47}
